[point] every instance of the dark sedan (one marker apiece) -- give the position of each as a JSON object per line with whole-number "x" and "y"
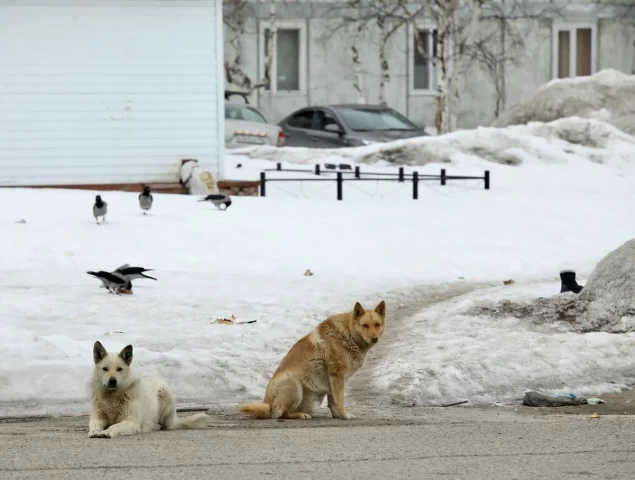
{"x": 336, "y": 126}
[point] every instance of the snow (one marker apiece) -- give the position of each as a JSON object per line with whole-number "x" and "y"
{"x": 564, "y": 206}
{"x": 554, "y": 142}
{"x": 608, "y": 95}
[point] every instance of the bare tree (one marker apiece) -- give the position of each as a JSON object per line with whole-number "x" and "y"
{"x": 235, "y": 15}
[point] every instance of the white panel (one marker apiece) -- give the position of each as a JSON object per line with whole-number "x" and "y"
{"x": 109, "y": 91}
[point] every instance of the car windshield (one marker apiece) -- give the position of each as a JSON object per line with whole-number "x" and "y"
{"x": 362, "y": 120}
{"x": 240, "y": 112}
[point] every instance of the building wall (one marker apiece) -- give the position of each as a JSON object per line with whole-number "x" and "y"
{"x": 109, "y": 91}
{"x": 330, "y": 72}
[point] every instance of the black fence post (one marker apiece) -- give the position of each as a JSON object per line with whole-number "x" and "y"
{"x": 486, "y": 179}
{"x": 443, "y": 176}
{"x": 415, "y": 185}
{"x": 317, "y": 168}
{"x": 278, "y": 166}
{"x": 356, "y": 172}
{"x": 340, "y": 184}
{"x": 263, "y": 180}
{"x": 401, "y": 174}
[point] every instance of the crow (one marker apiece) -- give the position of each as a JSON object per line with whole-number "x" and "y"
{"x": 145, "y": 200}
{"x": 100, "y": 209}
{"x": 132, "y": 273}
{"x": 218, "y": 199}
{"x": 111, "y": 281}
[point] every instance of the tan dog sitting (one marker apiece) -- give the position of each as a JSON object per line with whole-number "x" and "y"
{"x": 319, "y": 364}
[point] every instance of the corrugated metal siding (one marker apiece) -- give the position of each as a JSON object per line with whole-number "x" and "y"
{"x": 108, "y": 91}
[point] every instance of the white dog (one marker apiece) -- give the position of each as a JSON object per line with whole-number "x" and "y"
{"x": 124, "y": 404}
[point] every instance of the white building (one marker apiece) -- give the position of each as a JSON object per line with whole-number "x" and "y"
{"x": 103, "y": 92}
{"x": 313, "y": 59}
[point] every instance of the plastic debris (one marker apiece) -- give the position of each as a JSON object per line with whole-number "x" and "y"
{"x": 595, "y": 415}
{"x": 594, "y": 401}
{"x": 535, "y": 399}
{"x": 308, "y": 273}
{"x": 571, "y": 395}
{"x": 231, "y": 321}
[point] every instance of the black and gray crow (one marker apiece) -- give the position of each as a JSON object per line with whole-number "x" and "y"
{"x": 145, "y": 200}
{"x": 110, "y": 280}
{"x": 218, "y": 199}
{"x": 132, "y": 273}
{"x": 100, "y": 209}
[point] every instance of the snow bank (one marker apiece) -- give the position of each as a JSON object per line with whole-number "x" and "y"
{"x": 606, "y": 304}
{"x": 554, "y": 142}
{"x": 608, "y": 95}
{"x": 447, "y": 355}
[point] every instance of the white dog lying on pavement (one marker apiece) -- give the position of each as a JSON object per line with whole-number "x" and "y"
{"x": 124, "y": 404}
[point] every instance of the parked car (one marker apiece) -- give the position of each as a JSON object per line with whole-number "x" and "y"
{"x": 335, "y": 126}
{"x": 245, "y": 126}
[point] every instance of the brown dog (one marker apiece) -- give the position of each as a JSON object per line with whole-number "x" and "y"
{"x": 319, "y": 364}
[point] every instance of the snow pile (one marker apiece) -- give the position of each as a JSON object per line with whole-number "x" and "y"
{"x": 606, "y": 304}
{"x": 554, "y": 142}
{"x": 608, "y": 95}
{"x": 498, "y": 359}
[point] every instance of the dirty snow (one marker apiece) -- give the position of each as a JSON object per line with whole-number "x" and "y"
{"x": 249, "y": 262}
{"x": 560, "y": 141}
{"x": 608, "y": 95}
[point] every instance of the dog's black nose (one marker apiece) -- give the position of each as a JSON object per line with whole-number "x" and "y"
{"x": 374, "y": 339}
{"x": 112, "y": 382}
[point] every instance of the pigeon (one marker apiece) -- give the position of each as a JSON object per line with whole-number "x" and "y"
{"x": 145, "y": 200}
{"x": 132, "y": 273}
{"x": 111, "y": 281}
{"x": 100, "y": 209}
{"x": 218, "y": 199}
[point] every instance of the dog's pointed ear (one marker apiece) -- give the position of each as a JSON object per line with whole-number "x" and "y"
{"x": 126, "y": 354}
{"x": 381, "y": 308}
{"x": 99, "y": 352}
{"x": 358, "y": 310}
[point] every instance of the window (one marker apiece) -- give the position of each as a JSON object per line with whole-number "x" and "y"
{"x": 287, "y": 43}
{"x": 423, "y": 76}
{"x": 239, "y": 112}
{"x": 324, "y": 118}
{"x": 574, "y": 50}
{"x": 302, "y": 120}
{"x": 360, "y": 120}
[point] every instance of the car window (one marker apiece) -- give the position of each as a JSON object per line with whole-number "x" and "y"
{"x": 363, "y": 120}
{"x": 239, "y": 112}
{"x": 324, "y": 118}
{"x": 301, "y": 120}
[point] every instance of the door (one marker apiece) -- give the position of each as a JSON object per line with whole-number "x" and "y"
{"x": 322, "y": 133}
{"x": 298, "y": 128}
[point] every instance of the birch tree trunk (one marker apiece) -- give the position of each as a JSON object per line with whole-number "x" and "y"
{"x": 384, "y": 76}
{"x": 357, "y": 75}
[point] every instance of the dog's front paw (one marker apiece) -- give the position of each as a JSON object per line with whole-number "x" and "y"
{"x": 347, "y": 416}
{"x": 98, "y": 434}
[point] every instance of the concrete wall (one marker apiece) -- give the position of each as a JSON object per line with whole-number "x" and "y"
{"x": 329, "y": 69}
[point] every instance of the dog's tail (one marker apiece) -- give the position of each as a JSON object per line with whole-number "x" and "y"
{"x": 198, "y": 420}
{"x": 256, "y": 409}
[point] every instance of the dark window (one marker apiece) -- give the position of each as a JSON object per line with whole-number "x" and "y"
{"x": 323, "y": 118}
{"x": 301, "y": 120}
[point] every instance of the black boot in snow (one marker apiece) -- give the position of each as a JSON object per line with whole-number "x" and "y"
{"x": 568, "y": 282}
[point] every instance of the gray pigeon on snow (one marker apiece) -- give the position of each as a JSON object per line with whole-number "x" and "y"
{"x": 218, "y": 199}
{"x": 100, "y": 209}
{"x": 145, "y": 200}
